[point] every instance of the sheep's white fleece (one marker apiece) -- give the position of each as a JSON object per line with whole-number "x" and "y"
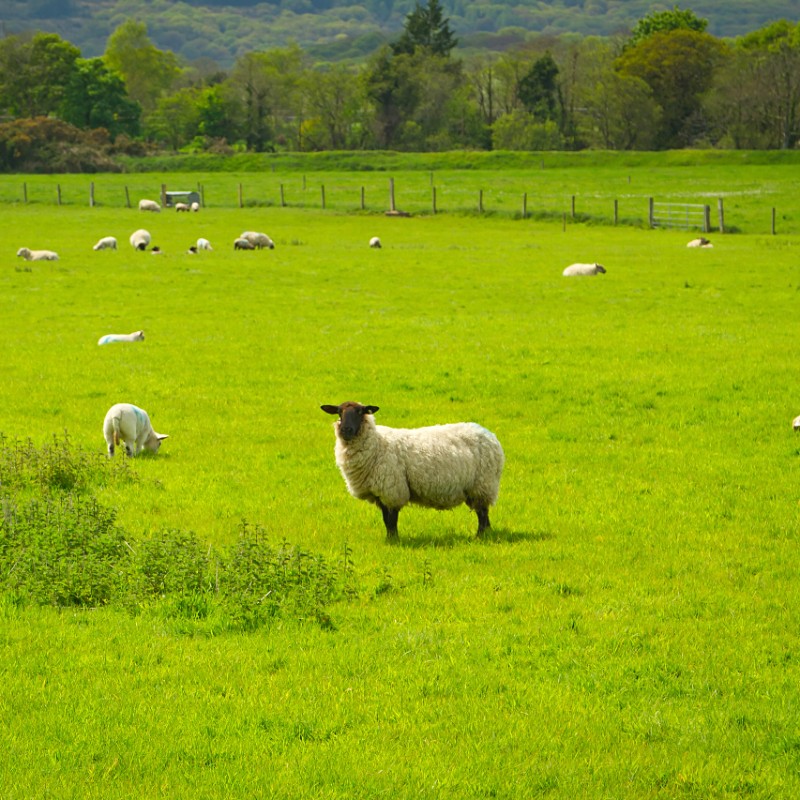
{"x": 149, "y": 205}
{"x": 127, "y": 423}
{"x": 440, "y": 466}
{"x": 258, "y": 239}
{"x": 37, "y": 255}
{"x": 136, "y": 336}
{"x": 583, "y": 269}
{"x": 140, "y": 239}
{"x": 106, "y": 243}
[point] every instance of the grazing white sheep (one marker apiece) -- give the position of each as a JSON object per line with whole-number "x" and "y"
{"x": 195, "y": 206}
{"x": 106, "y": 243}
{"x": 243, "y": 244}
{"x": 584, "y": 269}
{"x": 700, "y": 242}
{"x": 375, "y": 242}
{"x": 109, "y": 338}
{"x": 440, "y": 466}
{"x": 130, "y": 424}
{"x": 149, "y": 205}
{"x": 140, "y": 239}
{"x": 796, "y": 423}
{"x": 37, "y": 255}
{"x": 203, "y": 244}
{"x": 258, "y": 240}
{"x": 182, "y": 207}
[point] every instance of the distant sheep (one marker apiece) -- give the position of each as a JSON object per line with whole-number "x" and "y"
{"x": 149, "y": 205}
{"x": 182, "y": 207}
{"x": 584, "y": 269}
{"x": 440, "y": 466}
{"x": 203, "y": 244}
{"x": 109, "y": 338}
{"x": 140, "y": 239}
{"x": 130, "y": 424}
{"x": 375, "y": 242}
{"x": 243, "y": 244}
{"x": 258, "y": 240}
{"x": 106, "y": 243}
{"x": 700, "y": 242}
{"x": 796, "y": 423}
{"x": 195, "y": 206}
{"x": 37, "y": 255}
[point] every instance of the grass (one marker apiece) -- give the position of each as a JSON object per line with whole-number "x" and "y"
{"x": 627, "y": 630}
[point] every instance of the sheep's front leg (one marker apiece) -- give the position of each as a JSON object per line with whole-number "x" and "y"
{"x": 483, "y": 520}
{"x": 390, "y": 516}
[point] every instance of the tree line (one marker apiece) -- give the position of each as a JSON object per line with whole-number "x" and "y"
{"x": 667, "y": 84}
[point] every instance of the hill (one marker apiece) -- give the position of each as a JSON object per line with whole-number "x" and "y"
{"x": 344, "y": 29}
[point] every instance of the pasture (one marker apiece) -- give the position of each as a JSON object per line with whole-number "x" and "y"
{"x": 628, "y": 629}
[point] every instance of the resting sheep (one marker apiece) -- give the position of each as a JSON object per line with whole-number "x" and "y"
{"x": 140, "y": 239}
{"x": 700, "y": 242}
{"x": 243, "y": 244}
{"x": 149, "y": 205}
{"x": 374, "y": 242}
{"x": 37, "y": 255}
{"x": 584, "y": 269}
{"x": 258, "y": 240}
{"x": 106, "y": 243}
{"x": 109, "y": 338}
{"x": 440, "y": 466}
{"x": 130, "y": 424}
{"x": 203, "y": 244}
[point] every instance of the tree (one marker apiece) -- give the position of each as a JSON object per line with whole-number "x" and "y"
{"x": 147, "y": 71}
{"x": 95, "y": 97}
{"x": 334, "y": 104}
{"x": 538, "y": 90}
{"x": 665, "y": 21}
{"x": 425, "y": 27}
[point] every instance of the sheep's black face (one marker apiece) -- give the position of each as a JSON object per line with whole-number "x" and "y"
{"x": 351, "y": 415}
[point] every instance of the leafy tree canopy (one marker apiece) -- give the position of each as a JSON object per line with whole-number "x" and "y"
{"x": 426, "y": 27}
{"x": 664, "y": 21}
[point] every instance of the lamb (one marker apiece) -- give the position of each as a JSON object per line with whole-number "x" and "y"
{"x": 130, "y": 424}
{"x": 106, "y": 243}
{"x": 109, "y": 338}
{"x": 140, "y": 239}
{"x": 258, "y": 240}
{"x": 204, "y": 244}
{"x": 374, "y": 242}
{"x": 440, "y": 466}
{"x": 243, "y": 244}
{"x": 195, "y": 206}
{"x": 700, "y": 242}
{"x": 584, "y": 269}
{"x": 149, "y": 205}
{"x": 37, "y": 255}
{"x": 182, "y": 206}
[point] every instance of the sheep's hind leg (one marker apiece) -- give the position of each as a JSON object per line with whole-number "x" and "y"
{"x": 390, "y": 516}
{"x": 483, "y": 520}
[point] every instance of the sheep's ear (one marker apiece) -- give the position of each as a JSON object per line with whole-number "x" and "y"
{"x": 330, "y": 409}
{"x": 162, "y": 436}
{"x": 371, "y": 409}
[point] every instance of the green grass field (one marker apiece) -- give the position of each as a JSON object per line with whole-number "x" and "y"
{"x": 629, "y": 629}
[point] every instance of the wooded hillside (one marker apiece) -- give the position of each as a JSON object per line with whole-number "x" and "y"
{"x": 338, "y": 30}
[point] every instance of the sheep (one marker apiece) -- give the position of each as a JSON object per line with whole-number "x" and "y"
{"x": 258, "y": 240}
{"x": 700, "y": 242}
{"x": 109, "y": 338}
{"x": 140, "y": 239}
{"x": 374, "y": 242}
{"x": 149, "y": 205}
{"x": 106, "y": 243}
{"x": 440, "y": 466}
{"x": 584, "y": 269}
{"x": 195, "y": 206}
{"x": 796, "y": 423}
{"x": 182, "y": 207}
{"x": 130, "y": 424}
{"x": 243, "y": 244}
{"x": 37, "y": 255}
{"x": 203, "y": 244}
{"x": 192, "y": 251}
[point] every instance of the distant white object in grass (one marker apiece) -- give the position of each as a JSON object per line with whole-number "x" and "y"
{"x": 106, "y": 243}
{"x": 701, "y": 241}
{"x": 127, "y": 423}
{"x": 110, "y": 338}
{"x": 258, "y": 240}
{"x": 584, "y": 269}
{"x": 796, "y": 423}
{"x": 195, "y": 206}
{"x": 37, "y": 255}
{"x": 140, "y": 239}
{"x": 204, "y": 244}
{"x": 149, "y": 205}
{"x": 182, "y": 207}
{"x": 375, "y": 242}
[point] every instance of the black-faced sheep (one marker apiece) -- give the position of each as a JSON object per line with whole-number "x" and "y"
{"x": 140, "y": 239}
{"x": 130, "y": 424}
{"x": 440, "y": 466}
{"x": 701, "y": 241}
{"x": 375, "y": 242}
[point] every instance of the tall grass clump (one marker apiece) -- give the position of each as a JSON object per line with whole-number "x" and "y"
{"x": 60, "y": 547}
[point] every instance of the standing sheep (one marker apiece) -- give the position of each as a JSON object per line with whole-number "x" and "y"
{"x": 584, "y": 269}
{"x": 130, "y": 424}
{"x": 182, "y": 207}
{"x": 258, "y": 240}
{"x": 149, "y": 205}
{"x": 375, "y": 242}
{"x": 203, "y": 244}
{"x": 106, "y": 243}
{"x": 195, "y": 206}
{"x": 440, "y": 466}
{"x": 37, "y": 255}
{"x": 243, "y": 244}
{"x": 140, "y": 239}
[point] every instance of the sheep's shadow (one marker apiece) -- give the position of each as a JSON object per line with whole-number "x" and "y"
{"x": 452, "y": 539}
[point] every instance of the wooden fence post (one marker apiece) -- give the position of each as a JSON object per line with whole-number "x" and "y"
{"x": 706, "y": 218}
{"x": 433, "y": 198}
{"x": 240, "y": 196}
{"x": 363, "y": 205}
{"x": 322, "y": 187}
{"x": 721, "y": 212}
{"x": 773, "y": 221}
{"x": 616, "y": 211}
{"x": 163, "y": 195}
{"x": 391, "y": 195}
{"x": 58, "y": 193}
{"x": 283, "y": 200}
{"x": 524, "y": 205}
{"x": 480, "y": 201}
{"x": 91, "y": 194}
{"x": 24, "y": 192}
{"x": 651, "y": 213}
{"x": 573, "y": 206}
